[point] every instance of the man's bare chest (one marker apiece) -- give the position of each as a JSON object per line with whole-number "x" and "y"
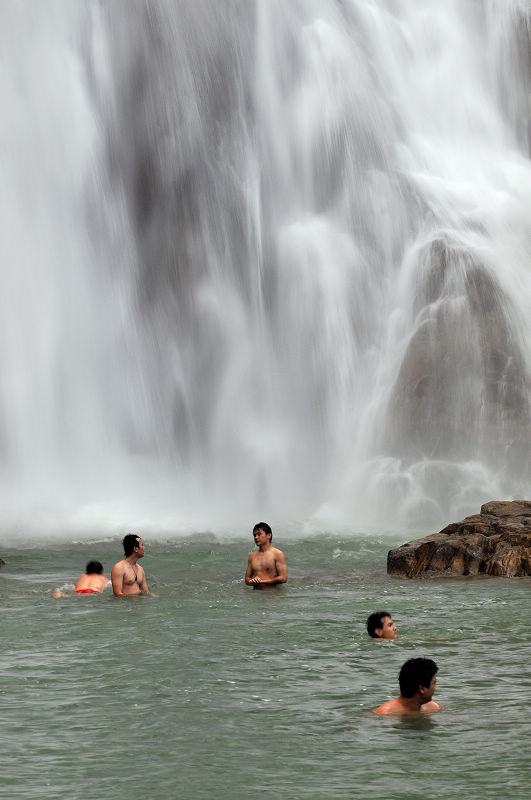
{"x": 264, "y": 562}
{"x": 132, "y": 576}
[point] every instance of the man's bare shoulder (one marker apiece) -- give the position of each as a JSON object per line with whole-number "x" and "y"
{"x": 433, "y": 705}
{"x": 397, "y": 707}
{"x": 389, "y": 707}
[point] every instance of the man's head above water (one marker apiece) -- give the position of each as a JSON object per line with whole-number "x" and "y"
{"x": 380, "y": 625}
{"x": 265, "y": 528}
{"x": 131, "y": 543}
{"x": 94, "y": 568}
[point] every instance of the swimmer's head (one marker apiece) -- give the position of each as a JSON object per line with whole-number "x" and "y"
{"x": 130, "y": 541}
{"x": 263, "y": 526}
{"x": 380, "y": 625}
{"x": 94, "y": 568}
{"x": 414, "y": 673}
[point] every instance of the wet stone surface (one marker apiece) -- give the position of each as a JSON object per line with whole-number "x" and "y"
{"x": 497, "y": 541}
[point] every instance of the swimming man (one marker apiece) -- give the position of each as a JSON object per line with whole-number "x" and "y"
{"x": 93, "y": 581}
{"x": 128, "y": 577}
{"x": 266, "y": 566}
{"x": 417, "y": 684}
{"x": 380, "y": 625}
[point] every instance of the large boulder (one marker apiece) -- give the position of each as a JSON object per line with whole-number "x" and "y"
{"x": 497, "y": 541}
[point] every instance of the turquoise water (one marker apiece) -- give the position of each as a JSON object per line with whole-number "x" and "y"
{"x": 213, "y": 689}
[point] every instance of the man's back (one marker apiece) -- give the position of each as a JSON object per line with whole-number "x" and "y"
{"x": 92, "y": 582}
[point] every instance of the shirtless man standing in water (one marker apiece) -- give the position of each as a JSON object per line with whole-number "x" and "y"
{"x": 266, "y": 566}
{"x": 127, "y": 576}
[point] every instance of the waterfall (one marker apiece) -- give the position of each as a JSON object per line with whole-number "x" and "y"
{"x": 264, "y": 259}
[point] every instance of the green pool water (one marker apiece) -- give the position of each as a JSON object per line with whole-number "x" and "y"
{"x": 212, "y": 689}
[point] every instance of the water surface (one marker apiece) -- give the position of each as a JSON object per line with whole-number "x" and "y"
{"x": 213, "y": 689}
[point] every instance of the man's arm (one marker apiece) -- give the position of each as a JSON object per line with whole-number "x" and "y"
{"x": 143, "y": 585}
{"x": 282, "y": 567}
{"x": 249, "y": 580}
{"x": 117, "y": 579}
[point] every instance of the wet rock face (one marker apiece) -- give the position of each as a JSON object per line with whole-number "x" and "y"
{"x": 497, "y": 541}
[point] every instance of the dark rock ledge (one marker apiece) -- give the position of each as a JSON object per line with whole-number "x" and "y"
{"x": 496, "y": 541}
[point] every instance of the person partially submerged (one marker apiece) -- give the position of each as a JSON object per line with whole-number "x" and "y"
{"x": 380, "y": 625}
{"x": 93, "y": 581}
{"x": 266, "y": 566}
{"x": 127, "y": 576}
{"x": 417, "y": 684}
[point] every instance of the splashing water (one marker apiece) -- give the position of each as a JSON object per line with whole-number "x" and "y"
{"x": 264, "y": 259}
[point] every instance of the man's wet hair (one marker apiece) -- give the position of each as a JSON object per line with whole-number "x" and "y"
{"x": 263, "y": 526}
{"x": 130, "y": 542}
{"x": 414, "y": 673}
{"x": 94, "y": 568}
{"x": 376, "y": 621}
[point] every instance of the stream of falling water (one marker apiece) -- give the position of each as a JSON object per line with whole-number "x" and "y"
{"x": 263, "y": 259}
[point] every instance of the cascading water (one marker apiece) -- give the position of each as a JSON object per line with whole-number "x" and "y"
{"x": 264, "y": 259}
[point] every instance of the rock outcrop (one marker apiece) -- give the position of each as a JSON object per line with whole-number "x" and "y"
{"x": 497, "y": 541}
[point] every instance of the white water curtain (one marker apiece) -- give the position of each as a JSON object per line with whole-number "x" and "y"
{"x": 264, "y": 256}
